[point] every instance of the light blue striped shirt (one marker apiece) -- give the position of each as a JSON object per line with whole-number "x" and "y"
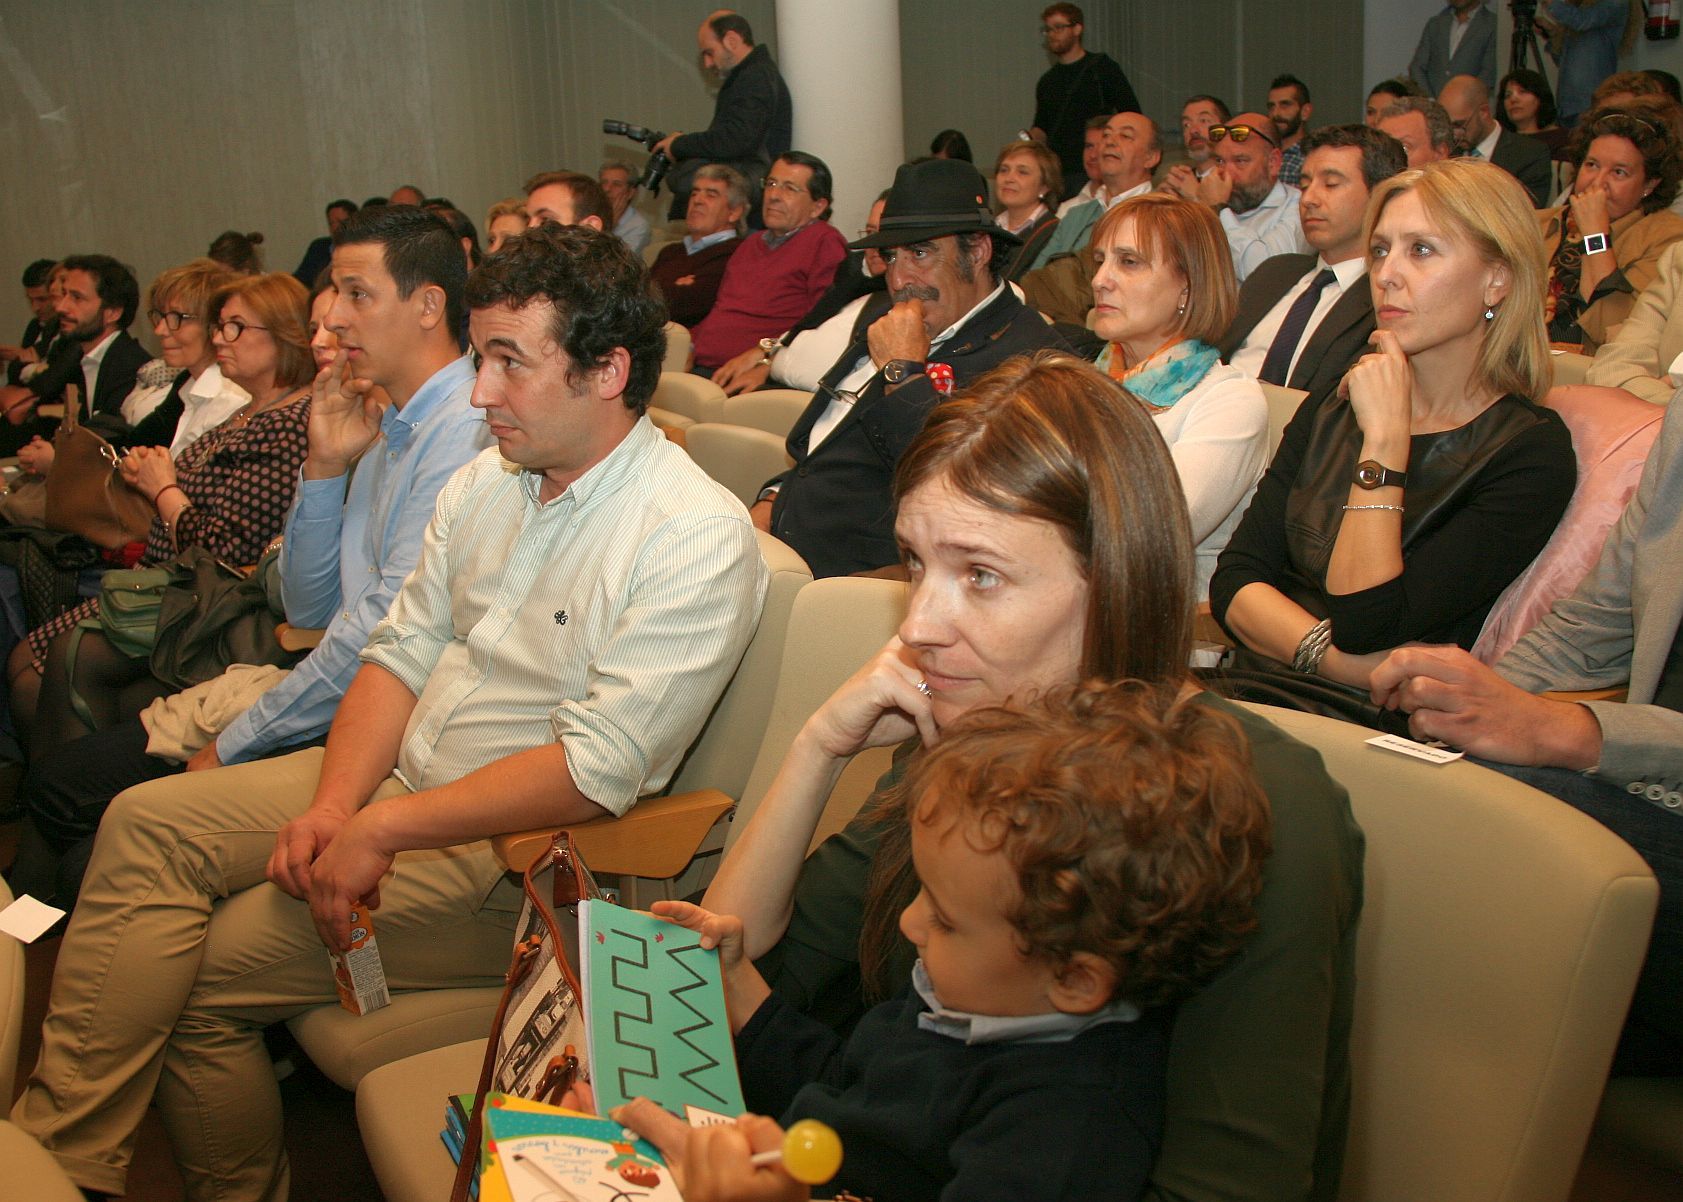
{"x": 346, "y": 555}
{"x": 608, "y": 619}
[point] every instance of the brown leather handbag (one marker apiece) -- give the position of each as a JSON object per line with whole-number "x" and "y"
{"x": 86, "y": 493}
{"x": 536, "y": 1049}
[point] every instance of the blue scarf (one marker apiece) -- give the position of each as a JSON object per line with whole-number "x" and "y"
{"x": 1169, "y": 375}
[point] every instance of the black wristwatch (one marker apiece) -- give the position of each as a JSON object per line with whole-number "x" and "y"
{"x": 896, "y": 370}
{"x": 1370, "y": 474}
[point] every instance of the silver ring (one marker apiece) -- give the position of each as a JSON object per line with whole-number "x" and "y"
{"x": 923, "y": 686}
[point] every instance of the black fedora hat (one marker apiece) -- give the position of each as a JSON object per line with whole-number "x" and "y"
{"x": 931, "y": 199}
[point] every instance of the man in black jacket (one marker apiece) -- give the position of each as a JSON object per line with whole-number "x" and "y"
{"x": 38, "y": 335}
{"x": 1467, "y": 101}
{"x": 94, "y": 310}
{"x": 1304, "y": 319}
{"x": 753, "y": 119}
{"x": 953, "y": 319}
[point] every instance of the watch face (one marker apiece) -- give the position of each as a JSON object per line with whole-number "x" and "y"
{"x": 1368, "y": 474}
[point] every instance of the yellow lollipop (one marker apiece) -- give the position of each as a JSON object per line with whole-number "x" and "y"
{"x": 811, "y": 1152}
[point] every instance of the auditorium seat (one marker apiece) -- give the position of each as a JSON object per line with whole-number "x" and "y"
{"x": 1282, "y": 406}
{"x": 774, "y": 410}
{"x": 683, "y": 399}
{"x": 346, "y": 1046}
{"x": 1501, "y": 935}
{"x": 835, "y": 626}
{"x": 677, "y": 348}
{"x": 739, "y": 457}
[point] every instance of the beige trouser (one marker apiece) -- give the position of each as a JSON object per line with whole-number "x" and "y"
{"x": 180, "y": 953}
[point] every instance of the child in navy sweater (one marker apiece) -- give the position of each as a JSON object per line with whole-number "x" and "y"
{"x": 1084, "y": 863}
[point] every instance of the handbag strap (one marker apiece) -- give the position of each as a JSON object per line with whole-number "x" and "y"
{"x": 78, "y": 703}
{"x": 571, "y": 886}
{"x": 72, "y": 407}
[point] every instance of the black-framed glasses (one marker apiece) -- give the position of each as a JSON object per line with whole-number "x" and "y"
{"x": 172, "y": 319}
{"x": 1045, "y": 29}
{"x": 234, "y": 327}
{"x": 1239, "y": 133}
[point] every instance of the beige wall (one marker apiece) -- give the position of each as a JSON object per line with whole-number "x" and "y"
{"x": 144, "y": 128}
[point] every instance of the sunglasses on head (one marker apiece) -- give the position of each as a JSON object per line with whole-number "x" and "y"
{"x": 1239, "y": 133}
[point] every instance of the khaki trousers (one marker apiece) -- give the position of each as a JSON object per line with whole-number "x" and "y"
{"x": 180, "y": 953}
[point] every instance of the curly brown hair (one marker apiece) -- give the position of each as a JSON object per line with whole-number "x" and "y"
{"x": 1648, "y": 123}
{"x": 1133, "y": 822}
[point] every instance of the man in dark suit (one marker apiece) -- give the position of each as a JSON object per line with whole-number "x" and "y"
{"x": 1478, "y": 136}
{"x": 1303, "y": 319}
{"x": 38, "y": 335}
{"x": 953, "y": 319}
{"x": 94, "y": 310}
{"x": 1460, "y": 40}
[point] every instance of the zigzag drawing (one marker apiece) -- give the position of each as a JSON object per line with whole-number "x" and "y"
{"x": 624, "y": 1016}
{"x": 702, "y": 1023}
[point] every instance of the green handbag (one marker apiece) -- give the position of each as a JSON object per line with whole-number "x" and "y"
{"x": 129, "y": 602}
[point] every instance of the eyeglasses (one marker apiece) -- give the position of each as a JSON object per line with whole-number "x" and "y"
{"x": 1239, "y": 133}
{"x": 231, "y": 330}
{"x": 172, "y": 320}
{"x": 785, "y": 185}
{"x": 1628, "y": 118}
{"x": 1045, "y": 29}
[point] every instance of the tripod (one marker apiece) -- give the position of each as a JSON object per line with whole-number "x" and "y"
{"x": 1524, "y": 40}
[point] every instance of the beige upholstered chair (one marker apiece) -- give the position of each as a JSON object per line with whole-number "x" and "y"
{"x": 774, "y": 410}
{"x": 1501, "y": 937}
{"x": 345, "y": 1046}
{"x": 739, "y": 457}
{"x": 681, "y": 399}
{"x": 1570, "y": 368}
{"x": 836, "y": 625}
{"x": 1282, "y": 406}
{"x": 677, "y": 349}
{"x": 28, "y": 1173}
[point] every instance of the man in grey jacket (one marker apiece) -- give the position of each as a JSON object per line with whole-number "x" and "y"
{"x": 1460, "y": 40}
{"x": 1619, "y": 762}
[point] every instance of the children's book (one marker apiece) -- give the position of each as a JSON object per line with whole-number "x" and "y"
{"x": 563, "y": 1157}
{"x": 654, "y": 1005}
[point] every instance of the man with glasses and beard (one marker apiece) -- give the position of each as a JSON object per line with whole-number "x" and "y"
{"x": 953, "y": 319}
{"x": 1258, "y": 209}
{"x": 1081, "y": 84}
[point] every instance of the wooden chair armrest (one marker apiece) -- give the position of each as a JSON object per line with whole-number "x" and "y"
{"x": 297, "y": 638}
{"x": 657, "y": 839}
{"x": 1616, "y": 693}
{"x": 1205, "y": 629}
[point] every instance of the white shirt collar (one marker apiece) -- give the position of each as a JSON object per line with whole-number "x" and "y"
{"x": 1487, "y": 147}
{"x": 953, "y": 329}
{"x": 95, "y": 354}
{"x": 1127, "y": 193}
{"x": 1346, "y": 273}
{"x": 1056, "y": 1027}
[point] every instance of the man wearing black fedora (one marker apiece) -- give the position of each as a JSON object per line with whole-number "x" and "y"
{"x": 953, "y": 319}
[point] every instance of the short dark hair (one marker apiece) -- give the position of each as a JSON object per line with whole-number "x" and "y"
{"x": 1398, "y": 86}
{"x": 1292, "y": 81}
{"x": 374, "y": 202}
{"x": 589, "y": 200}
{"x": 1439, "y": 131}
{"x": 1531, "y": 81}
{"x": 348, "y": 205}
{"x": 951, "y": 144}
{"x": 599, "y": 289}
{"x": 38, "y": 272}
{"x": 238, "y": 251}
{"x": 462, "y": 226}
{"x": 1382, "y": 155}
{"x": 1206, "y": 98}
{"x": 820, "y": 186}
{"x": 418, "y": 248}
{"x": 999, "y": 251}
{"x": 732, "y": 23}
{"x": 1666, "y": 80}
{"x": 114, "y": 282}
{"x": 1068, "y": 12}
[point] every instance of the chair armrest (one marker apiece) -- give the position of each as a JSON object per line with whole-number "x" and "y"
{"x": 297, "y": 638}
{"x": 1616, "y": 693}
{"x": 657, "y": 839}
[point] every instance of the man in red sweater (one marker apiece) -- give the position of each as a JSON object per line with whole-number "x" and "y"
{"x": 781, "y": 271}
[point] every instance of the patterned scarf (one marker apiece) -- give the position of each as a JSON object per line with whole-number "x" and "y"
{"x": 1166, "y": 376}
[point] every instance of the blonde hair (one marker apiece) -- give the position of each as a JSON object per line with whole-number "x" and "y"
{"x": 191, "y": 288}
{"x": 514, "y": 206}
{"x": 1051, "y": 171}
{"x": 1191, "y": 238}
{"x": 1488, "y": 208}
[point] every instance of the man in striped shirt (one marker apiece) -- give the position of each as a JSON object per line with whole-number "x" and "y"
{"x": 583, "y": 594}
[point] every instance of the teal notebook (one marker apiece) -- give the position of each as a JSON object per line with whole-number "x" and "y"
{"x": 654, "y": 1006}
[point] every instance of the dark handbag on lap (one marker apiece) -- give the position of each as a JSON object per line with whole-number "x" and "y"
{"x": 214, "y": 618}
{"x": 85, "y": 493}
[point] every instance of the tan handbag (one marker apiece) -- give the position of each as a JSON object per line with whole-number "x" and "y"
{"x": 86, "y": 494}
{"x": 536, "y": 1049}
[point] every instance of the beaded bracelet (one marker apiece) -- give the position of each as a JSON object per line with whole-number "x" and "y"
{"x": 1392, "y": 508}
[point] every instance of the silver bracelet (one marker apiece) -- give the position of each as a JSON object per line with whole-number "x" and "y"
{"x": 1392, "y": 508}
{"x": 1312, "y": 649}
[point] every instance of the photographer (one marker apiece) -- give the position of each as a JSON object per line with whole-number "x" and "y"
{"x": 752, "y": 118}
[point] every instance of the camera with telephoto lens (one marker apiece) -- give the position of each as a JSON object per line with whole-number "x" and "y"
{"x": 659, "y": 163}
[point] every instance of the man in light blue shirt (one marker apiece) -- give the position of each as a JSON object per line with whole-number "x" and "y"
{"x": 346, "y": 552}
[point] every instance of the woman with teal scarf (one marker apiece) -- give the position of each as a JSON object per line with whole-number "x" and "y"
{"x": 1164, "y": 292}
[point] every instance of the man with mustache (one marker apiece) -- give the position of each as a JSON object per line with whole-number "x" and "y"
{"x": 953, "y": 319}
